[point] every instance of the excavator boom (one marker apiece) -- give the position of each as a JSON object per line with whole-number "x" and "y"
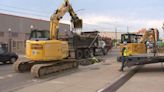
{"x": 151, "y": 35}
{"x": 55, "y": 18}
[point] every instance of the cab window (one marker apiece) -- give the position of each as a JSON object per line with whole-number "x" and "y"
{"x": 1, "y": 51}
{"x": 39, "y": 35}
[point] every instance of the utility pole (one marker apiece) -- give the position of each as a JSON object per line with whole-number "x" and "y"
{"x": 116, "y": 34}
{"x": 163, "y": 27}
{"x": 127, "y": 29}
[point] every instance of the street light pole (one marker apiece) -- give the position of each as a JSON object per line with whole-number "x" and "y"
{"x": 9, "y": 40}
{"x": 31, "y": 27}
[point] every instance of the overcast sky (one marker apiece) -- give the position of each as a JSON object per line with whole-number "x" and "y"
{"x": 97, "y": 14}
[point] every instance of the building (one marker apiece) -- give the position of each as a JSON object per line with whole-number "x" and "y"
{"x": 112, "y": 35}
{"x": 15, "y": 30}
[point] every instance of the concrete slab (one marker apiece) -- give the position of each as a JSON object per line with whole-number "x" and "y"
{"x": 148, "y": 79}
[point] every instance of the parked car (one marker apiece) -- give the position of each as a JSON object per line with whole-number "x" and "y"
{"x": 7, "y": 57}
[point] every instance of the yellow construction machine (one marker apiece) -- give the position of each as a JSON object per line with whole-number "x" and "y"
{"x": 152, "y": 36}
{"x": 46, "y": 53}
{"x": 136, "y": 43}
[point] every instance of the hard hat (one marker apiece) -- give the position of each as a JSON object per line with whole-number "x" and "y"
{"x": 124, "y": 42}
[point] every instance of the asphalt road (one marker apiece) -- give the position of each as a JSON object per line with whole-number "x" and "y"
{"x": 10, "y": 80}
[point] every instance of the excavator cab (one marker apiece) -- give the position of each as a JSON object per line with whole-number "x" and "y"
{"x": 132, "y": 43}
{"x": 39, "y": 35}
{"x": 130, "y": 38}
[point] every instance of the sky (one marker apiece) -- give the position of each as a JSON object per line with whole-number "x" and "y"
{"x": 105, "y": 15}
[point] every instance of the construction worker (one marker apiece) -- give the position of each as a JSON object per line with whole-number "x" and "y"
{"x": 94, "y": 59}
{"x": 125, "y": 54}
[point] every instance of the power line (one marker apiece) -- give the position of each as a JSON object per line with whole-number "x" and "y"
{"x": 24, "y": 13}
{"x": 33, "y": 12}
{"x": 98, "y": 26}
{"x": 30, "y": 10}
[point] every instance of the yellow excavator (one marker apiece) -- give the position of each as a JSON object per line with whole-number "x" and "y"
{"x": 151, "y": 35}
{"x": 46, "y": 53}
{"x": 138, "y": 58}
{"x": 136, "y": 44}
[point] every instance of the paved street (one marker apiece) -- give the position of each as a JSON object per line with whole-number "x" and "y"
{"x": 10, "y": 80}
{"x": 85, "y": 79}
{"x": 148, "y": 79}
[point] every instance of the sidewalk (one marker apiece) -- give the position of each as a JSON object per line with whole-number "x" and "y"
{"x": 148, "y": 79}
{"x": 87, "y": 79}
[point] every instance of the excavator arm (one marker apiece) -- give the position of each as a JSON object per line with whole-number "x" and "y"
{"x": 55, "y": 18}
{"x": 77, "y": 23}
{"x": 151, "y": 35}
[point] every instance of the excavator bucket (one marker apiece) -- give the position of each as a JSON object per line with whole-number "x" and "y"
{"x": 78, "y": 23}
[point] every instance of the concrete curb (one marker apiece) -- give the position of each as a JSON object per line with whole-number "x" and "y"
{"x": 116, "y": 84}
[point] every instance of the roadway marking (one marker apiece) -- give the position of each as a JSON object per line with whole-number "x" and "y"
{"x": 10, "y": 75}
{"x": 1, "y": 78}
{"x": 6, "y": 76}
{"x": 58, "y": 82}
{"x": 34, "y": 80}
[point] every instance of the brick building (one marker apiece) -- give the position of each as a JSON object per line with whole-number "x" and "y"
{"x": 16, "y": 30}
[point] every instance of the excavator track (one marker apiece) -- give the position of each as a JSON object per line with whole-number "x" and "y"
{"x": 23, "y": 66}
{"x": 41, "y": 69}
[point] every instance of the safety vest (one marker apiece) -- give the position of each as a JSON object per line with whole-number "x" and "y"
{"x": 126, "y": 52}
